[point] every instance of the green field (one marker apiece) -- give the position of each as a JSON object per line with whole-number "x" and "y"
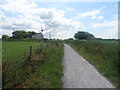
{"x": 14, "y": 50}
{"x": 43, "y": 70}
{"x": 102, "y": 54}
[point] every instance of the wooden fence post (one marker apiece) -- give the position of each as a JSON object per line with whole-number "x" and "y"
{"x": 30, "y": 52}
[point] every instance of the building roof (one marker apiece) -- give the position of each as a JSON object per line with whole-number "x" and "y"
{"x": 37, "y": 34}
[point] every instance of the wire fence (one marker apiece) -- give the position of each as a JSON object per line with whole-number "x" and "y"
{"x": 17, "y": 54}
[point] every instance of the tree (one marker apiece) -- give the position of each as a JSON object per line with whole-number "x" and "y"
{"x": 83, "y": 35}
{"x": 19, "y": 34}
{"x": 98, "y": 38}
{"x": 29, "y": 34}
{"x": 5, "y": 37}
{"x": 70, "y": 39}
{"x": 22, "y": 34}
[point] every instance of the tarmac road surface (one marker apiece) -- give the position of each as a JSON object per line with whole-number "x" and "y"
{"x": 79, "y": 73}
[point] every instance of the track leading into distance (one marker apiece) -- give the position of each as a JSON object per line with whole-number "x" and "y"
{"x": 79, "y": 73}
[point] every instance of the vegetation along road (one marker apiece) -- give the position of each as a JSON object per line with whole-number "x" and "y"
{"x": 79, "y": 73}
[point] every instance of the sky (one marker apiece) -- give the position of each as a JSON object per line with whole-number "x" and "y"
{"x": 61, "y": 19}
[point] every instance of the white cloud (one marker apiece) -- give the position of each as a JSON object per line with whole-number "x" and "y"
{"x": 75, "y": 0}
{"x": 93, "y": 14}
{"x": 5, "y": 31}
{"x": 97, "y": 17}
{"x": 108, "y": 33}
{"x": 115, "y": 16}
{"x": 90, "y": 13}
{"x": 103, "y": 7}
{"x": 109, "y": 29}
{"x": 19, "y": 6}
{"x": 31, "y": 17}
{"x": 69, "y": 9}
{"x": 93, "y": 17}
{"x": 100, "y": 17}
{"x": 64, "y": 34}
{"x": 113, "y": 23}
{"x": 48, "y": 13}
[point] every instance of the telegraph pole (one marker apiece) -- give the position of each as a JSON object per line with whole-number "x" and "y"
{"x": 41, "y": 33}
{"x": 50, "y": 35}
{"x": 13, "y": 30}
{"x": 13, "y": 33}
{"x": 41, "y": 29}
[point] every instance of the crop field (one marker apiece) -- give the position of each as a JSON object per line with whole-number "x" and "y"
{"x": 43, "y": 69}
{"x": 102, "y": 54}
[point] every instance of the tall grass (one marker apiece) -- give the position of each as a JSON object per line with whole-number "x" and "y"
{"x": 43, "y": 70}
{"x": 102, "y": 54}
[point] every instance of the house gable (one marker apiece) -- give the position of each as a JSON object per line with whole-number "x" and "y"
{"x": 37, "y": 36}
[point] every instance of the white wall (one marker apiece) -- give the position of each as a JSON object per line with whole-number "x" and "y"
{"x": 37, "y": 36}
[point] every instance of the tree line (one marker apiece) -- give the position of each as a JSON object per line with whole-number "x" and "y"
{"x": 19, "y": 35}
{"x": 80, "y": 35}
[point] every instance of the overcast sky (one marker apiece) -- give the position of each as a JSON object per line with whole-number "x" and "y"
{"x": 62, "y": 19}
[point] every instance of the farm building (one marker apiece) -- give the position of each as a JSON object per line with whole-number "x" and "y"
{"x": 37, "y": 36}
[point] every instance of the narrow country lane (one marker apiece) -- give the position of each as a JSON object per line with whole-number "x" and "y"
{"x": 79, "y": 73}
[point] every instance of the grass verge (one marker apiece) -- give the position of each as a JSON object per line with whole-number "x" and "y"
{"x": 102, "y": 54}
{"x": 44, "y": 70}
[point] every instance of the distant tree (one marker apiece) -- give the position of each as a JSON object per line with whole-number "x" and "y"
{"x": 70, "y": 39}
{"x": 22, "y": 34}
{"x": 45, "y": 39}
{"x": 19, "y": 34}
{"x": 5, "y": 37}
{"x": 98, "y": 38}
{"x": 83, "y": 35}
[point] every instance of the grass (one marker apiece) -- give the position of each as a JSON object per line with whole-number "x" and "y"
{"x": 102, "y": 54}
{"x": 13, "y": 50}
{"x": 44, "y": 70}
